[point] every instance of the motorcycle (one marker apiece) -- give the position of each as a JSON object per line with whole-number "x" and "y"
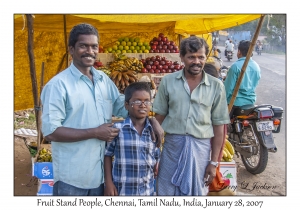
{"x": 251, "y": 134}
{"x": 223, "y": 69}
{"x": 229, "y": 55}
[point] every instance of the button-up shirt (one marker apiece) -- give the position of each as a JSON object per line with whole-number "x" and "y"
{"x": 191, "y": 113}
{"x": 134, "y": 159}
{"x": 70, "y": 99}
{"x": 246, "y": 94}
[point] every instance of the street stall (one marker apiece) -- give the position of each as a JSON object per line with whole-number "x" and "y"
{"x": 132, "y": 47}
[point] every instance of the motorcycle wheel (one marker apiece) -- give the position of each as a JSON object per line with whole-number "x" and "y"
{"x": 256, "y": 164}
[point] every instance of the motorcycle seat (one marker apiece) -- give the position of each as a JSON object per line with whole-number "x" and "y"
{"x": 243, "y": 110}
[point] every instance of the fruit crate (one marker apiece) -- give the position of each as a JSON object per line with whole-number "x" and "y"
{"x": 229, "y": 174}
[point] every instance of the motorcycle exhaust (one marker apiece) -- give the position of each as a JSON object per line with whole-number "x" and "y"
{"x": 274, "y": 150}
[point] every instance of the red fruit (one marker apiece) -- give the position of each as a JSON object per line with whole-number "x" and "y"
{"x": 161, "y": 43}
{"x": 150, "y": 62}
{"x": 157, "y": 71}
{"x": 165, "y": 47}
{"x": 169, "y": 71}
{"x": 177, "y": 51}
{"x": 151, "y": 71}
{"x": 148, "y": 58}
{"x": 181, "y": 66}
{"x": 163, "y": 71}
{"x": 158, "y": 58}
{"x": 148, "y": 67}
{"x": 170, "y": 47}
{"x": 160, "y": 67}
{"x": 169, "y": 63}
{"x": 172, "y": 43}
{"x": 163, "y": 58}
{"x": 227, "y": 181}
{"x": 172, "y": 51}
{"x": 153, "y": 47}
{"x": 161, "y": 35}
{"x": 165, "y": 67}
{"x": 167, "y": 43}
{"x": 162, "y": 51}
{"x": 153, "y": 67}
{"x": 157, "y": 51}
{"x": 167, "y": 51}
{"x": 154, "y": 39}
{"x": 177, "y": 67}
{"x": 155, "y": 42}
{"x": 164, "y": 39}
{"x": 144, "y": 70}
{"x": 151, "y": 43}
{"x": 98, "y": 63}
{"x": 176, "y": 63}
{"x": 156, "y": 63}
{"x": 158, "y": 39}
{"x": 162, "y": 62}
{"x": 159, "y": 47}
{"x": 175, "y": 47}
{"x": 151, "y": 51}
{"x": 171, "y": 67}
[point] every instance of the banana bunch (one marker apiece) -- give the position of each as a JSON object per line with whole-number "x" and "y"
{"x": 106, "y": 70}
{"x": 228, "y": 151}
{"x": 44, "y": 155}
{"x": 119, "y": 56}
{"x": 123, "y": 78}
{"x": 134, "y": 64}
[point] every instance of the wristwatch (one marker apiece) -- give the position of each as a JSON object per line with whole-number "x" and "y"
{"x": 214, "y": 163}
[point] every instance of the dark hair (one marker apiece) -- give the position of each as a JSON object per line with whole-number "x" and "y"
{"x": 136, "y": 86}
{"x": 83, "y": 28}
{"x": 244, "y": 47}
{"x": 211, "y": 69}
{"x": 193, "y": 44}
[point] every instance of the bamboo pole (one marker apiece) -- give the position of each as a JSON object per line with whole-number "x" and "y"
{"x": 40, "y": 136}
{"x": 30, "y": 51}
{"x": 66, "y": 41}
{"x": 249, "y": 54}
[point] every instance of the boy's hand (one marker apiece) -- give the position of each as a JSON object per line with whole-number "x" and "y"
{"x": 155, "y": 170}
{"x": 110, "y": 189}
{"x": 106, "y": 132}
{"x": 158, "y": 133}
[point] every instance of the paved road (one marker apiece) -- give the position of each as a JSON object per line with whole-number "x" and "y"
{"x": 271, "y": 90}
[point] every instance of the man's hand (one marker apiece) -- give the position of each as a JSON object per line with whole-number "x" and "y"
{"x": 110, "y": 189}
{"x": 158, "y": 133}
{"x": 210, "y": 173}
{"x": 106, "y": 132}
{"x": 155, "y": 170}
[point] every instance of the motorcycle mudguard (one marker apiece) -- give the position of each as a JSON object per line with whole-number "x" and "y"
{"x": 268, "y": 139}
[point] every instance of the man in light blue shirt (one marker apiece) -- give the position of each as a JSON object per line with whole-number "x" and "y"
{"x": 246, "y": 95}
{"x": 78, "y": 105}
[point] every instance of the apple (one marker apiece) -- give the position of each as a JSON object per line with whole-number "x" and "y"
{"x": 157, "y": 71}
{"x": 150, "y": 63}
{"x": 159, "y": 47}
{"x": 157, "y": 51}
{"x": 151, "y": 42}
{"x": 167, "y": 43}
{"x": 175, "y": 63}
{"x": 172, "y": 43}
{"x": 144, "y": 70}
{"x": 163, "y": 58}
{"x": 171, "y": 66}
{"x": 148, "y": 59}
{"x": 148, "y": 67}
{"x": 164, "y": 39}
{"x": 177, "y": 67}
{"x": 156, "y": 63}
{"x": 177, "y": 51}
{"x": 168, "y": 63}
{"x": 151, "y": 51}
{"x": 162, "y": 62}
{"x": 165, "y": 47}
{"x": 181, "y": 66}
{"x": 169, "y": 71}
{"x": 160, "y": 67}
{"x": 154, "y": 39}
{"x": 155, "y": 42}
{"x": 172, "y": 51}
{"x": 151, "y": 71}
{"x": 168, "y": 51}
{"x": 158, "y": 58}
{"x": 158, "y": 39}
{"x": 153, "y": 58}
{"x": 161, "y": 35}
{"x": 162, "y": 51}
{"x": 170, "y": 47}
{"x": 163, "y": 71}
{"x": 153, "y": 47}
{"x": 161, "y": 43}
{"x": 175, "y": 47}
{"x": 165, "y": 67}
{"x": 153, "y": 67}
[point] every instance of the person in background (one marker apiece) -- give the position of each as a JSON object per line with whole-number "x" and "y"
{"x": 78, "y": 105}
{"x": 190, "y": 118}
{"x": 226, "y": 43}
{"x": 229, "y": 47}
{"x": 135, "y": 153}
{"x": 246, "y": 95}
{"x": 211, "y": 70}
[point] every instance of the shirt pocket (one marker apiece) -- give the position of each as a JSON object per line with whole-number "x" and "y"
{"x": 204, "y": 111}
{"x": 107, "y": 110}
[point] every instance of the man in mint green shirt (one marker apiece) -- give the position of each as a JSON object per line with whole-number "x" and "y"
{"x": 78, "y": 105}
{"x": 192, "y": 107}
{"x": 246, "y": 95}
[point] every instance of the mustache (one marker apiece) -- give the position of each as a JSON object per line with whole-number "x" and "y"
{"x": 88, "y": 55}
{"x": 198, "y": 65}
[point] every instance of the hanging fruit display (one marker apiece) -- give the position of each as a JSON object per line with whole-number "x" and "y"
{"x": 159, "y": 64}
{"x": 128, "y": 45}
{"x": 162, "y": 44}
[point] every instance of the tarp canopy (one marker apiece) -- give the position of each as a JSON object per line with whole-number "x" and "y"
{"x": 49, "y": 38}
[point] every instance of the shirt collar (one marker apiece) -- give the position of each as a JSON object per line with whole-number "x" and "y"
{"x": 204, "y": 78}
{"x": 77, "y": 74}
{"x": 128, "y": 122}
{"x": 243, "y": 58}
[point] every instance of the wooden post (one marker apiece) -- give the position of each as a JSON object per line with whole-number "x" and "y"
{"x": 30, "y": 48}
{"x": 40, "y": 135}
{"x": 66, "y": 41}
{"x": 249, "y": 54}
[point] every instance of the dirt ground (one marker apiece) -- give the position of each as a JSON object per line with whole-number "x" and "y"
{"x": 24, "y": 183}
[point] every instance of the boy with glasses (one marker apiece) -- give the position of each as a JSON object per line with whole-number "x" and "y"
{"x": 135, "y": 154}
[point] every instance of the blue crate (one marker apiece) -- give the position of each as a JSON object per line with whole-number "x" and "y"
{"x": 43, "y": 170}
{"x": 45, "y": 187}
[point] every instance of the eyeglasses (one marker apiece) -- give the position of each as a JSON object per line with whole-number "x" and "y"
{"x": 139, "y": 103}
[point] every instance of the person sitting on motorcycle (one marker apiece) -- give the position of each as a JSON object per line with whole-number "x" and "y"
{"x": 246, "y": 95}
{"x": 229, "y": 47}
